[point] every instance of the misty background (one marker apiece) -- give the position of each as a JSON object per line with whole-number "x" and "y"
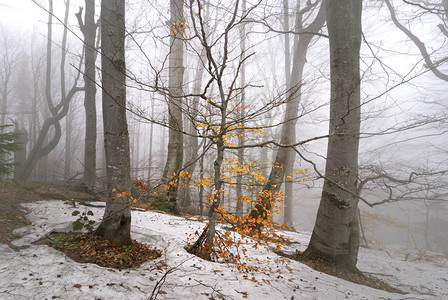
{"x": 404, "y": 110}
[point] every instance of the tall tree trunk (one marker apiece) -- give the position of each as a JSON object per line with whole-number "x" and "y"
{"x": 176, "y": 71}
{"x": 239, "y": 177}
{"x": 191, "y": 142}
{"x": 216, "y": 196}
{"x": 293, "y": 96}
{"x": 68, "y": 129}
{"x": 116, "y": 223}
{"x": 287, "y": 41}
{"x": 289, "y": 168}
{"x": 336, "y": 234}
{"x": 88, "y": 29}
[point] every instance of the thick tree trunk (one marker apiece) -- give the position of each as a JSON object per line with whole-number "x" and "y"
{"x": 335, "y": 235}
{"x": 88, "y": 30}
{"x": 116, "y": 223}
{"x": 176, "y": 72}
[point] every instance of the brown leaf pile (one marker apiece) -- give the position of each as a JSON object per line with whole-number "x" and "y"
{"x": 89, "y": 248}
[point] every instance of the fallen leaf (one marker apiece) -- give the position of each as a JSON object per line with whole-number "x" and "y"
{"x": 162, "y": 292}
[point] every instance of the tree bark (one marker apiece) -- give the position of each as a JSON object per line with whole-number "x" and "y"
{"x": 239, "y": 177}
{"x": 88, "y": 29}
{"x": 116, "y": 223}
{"x": 191, "y": 142}
{"x": 336, "y": 235}
{"x": 216, "y": 196}
{"x": 176, "y": 72}
{"x": 290, "y": 154}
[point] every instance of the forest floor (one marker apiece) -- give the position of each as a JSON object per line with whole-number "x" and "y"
{"x": 27, "y": 217}
{"x": 12, "y": 196}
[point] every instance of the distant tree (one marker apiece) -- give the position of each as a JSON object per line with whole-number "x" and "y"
{"x": 10, "y": 54}
{"x": 336, "y": 232}
{"x": 284, "y": 158}
{"x": 20, "y": 152}
{"x": 175, "y": 94}
{"x": 239, "y": 179}
{"x": 116, "y": 223}
{"x": 89, "y": 28}
{"x": 44, "y": 145}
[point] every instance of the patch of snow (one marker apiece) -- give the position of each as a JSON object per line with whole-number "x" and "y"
{"x": 39, "y": 271}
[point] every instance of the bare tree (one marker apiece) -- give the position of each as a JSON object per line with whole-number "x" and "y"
{"x": 10, "y": 54}
{"x": 42, "y": 147}
{"x": 239, "y": 178}
{"x": 336, "y": 232}
{"x": 116, "y": 223}
{"x": 284, "y": 157}
{"x": 88, "y": 28}
{"x": 176, "y": 73}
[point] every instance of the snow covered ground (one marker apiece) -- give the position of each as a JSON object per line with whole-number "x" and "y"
{"x": 41, "y": 272}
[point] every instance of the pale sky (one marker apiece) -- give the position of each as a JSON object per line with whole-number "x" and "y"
{"x": 25, "y": 14}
